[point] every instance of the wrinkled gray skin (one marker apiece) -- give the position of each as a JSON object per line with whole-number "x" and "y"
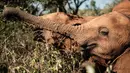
{"x": 106, "y": 36}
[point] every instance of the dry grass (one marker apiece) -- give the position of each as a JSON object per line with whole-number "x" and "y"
{"x": 22, "y": 54}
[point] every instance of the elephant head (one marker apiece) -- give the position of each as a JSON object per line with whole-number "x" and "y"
{"x": 105, "y": 36}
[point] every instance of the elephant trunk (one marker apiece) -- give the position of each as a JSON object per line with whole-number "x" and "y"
{"x": 42, "y": 23}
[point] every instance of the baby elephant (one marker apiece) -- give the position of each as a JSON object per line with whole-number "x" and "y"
{"x": 106, "y": 37}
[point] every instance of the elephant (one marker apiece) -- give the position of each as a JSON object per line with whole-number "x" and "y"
{"x": 59, "y": 40}
{"x": 119, "y": 63}
{"x": 106, "y": 38}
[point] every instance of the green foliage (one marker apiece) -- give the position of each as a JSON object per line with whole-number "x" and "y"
{"x": 95, "y": 11}
{"x": 55, "y": 5}
{"x": 14, "y": 3}
{"x": 92, "y": 10}
{"x": 93, "y": 3}
{"x": 66, "y": 6}
{"x": 108, "y": 8}
{"x": 24, "y": 55}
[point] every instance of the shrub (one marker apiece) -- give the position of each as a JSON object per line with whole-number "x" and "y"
{"x": 22, "y": 54}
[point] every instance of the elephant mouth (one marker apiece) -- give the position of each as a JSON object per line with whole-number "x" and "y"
{"x": 90, "y": 46}
{"x": 91, "y": 50}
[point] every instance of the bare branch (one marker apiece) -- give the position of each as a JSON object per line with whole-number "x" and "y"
{"x": 69, "y": 5}
{"x": 81, "y": 2}
{"x": 75, "y": 2}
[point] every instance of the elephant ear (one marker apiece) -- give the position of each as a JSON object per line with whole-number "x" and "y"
{"x": 123, "y": 8}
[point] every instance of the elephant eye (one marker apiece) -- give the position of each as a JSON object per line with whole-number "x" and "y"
{"x": 103, "y": 31}
{"x": 76, "y": 24}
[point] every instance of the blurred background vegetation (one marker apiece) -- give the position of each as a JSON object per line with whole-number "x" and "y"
{"x": 21, "y": 54}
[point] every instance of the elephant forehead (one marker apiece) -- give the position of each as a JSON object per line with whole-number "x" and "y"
{"x": 108, "y": 20}
{"x": 116, "y": 23}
